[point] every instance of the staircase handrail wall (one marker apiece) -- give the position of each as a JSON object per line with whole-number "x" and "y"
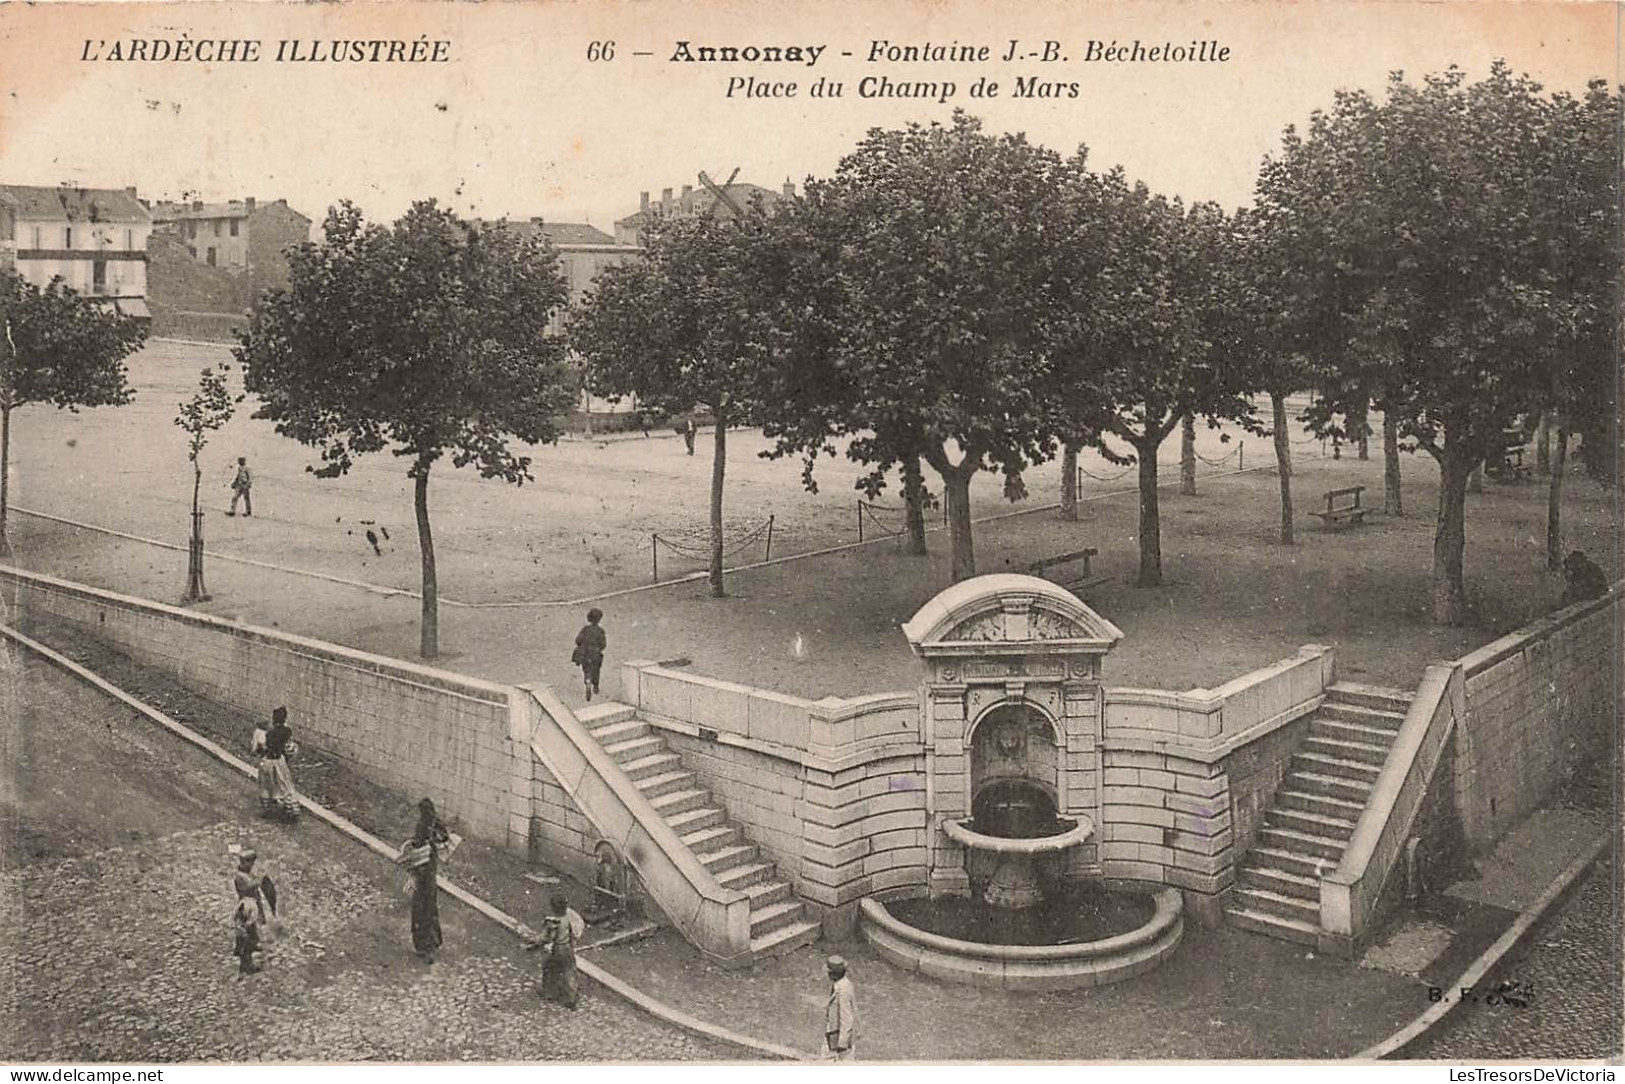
{"x": 714, "y": 918}
{"x": 1349, "y": 894}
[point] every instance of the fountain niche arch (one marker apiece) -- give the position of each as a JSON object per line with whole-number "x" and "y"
{"x": 1012, "y": 715}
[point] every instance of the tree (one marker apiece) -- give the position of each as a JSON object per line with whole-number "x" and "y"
{"x": 690, "y": 323}
{"x": 428, "y": 337}
{"x": 955, "y": 260}
{"x": 1414, "y": 222}
{"x": 210, "y": 407}
{"x": 1583, "y": 206}
{"x": 1176, "y": 335}
{"x": 60, "y": 348}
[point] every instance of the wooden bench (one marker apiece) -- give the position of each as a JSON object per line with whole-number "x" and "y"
{"x": 1340, "y": 510}
{"x": 1064, "y": 559}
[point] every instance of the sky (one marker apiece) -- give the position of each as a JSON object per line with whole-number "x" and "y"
{"x": 519, "y": 121}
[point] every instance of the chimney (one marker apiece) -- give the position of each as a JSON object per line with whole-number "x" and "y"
{"x": 197, "y": 205}
{"x": 248, "y": 203}
{"x": 688, "y": 196}
{"x": 789, "y": 189}
{"x": 665, "y": 199}
{"x": 643, "y": 202}
{"x": 129, "y": 190}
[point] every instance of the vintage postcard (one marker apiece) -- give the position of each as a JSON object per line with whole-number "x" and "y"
{"x": 900, "y": 532}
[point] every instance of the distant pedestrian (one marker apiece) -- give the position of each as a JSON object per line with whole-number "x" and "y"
{"x": 688, "y": 435}
{"x": 561, "y": 932}
{"x": 1582, "y": 579}
{"x": 421, "y": 856}
{"x": 242, "y": 487}
{"x": 840, "y": 1014}
{"x": 278, "y": 798}
{"x": 589, "y": 652}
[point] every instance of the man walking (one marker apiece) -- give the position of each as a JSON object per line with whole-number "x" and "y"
{"x": 840, "y": 1015}
{"x": 241, "y": 487}
{"x": 688, "y": 435}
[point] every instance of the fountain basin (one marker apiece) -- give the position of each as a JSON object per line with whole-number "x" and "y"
{"x": 1029, "y": 967}
{"x": 969, "y": 837}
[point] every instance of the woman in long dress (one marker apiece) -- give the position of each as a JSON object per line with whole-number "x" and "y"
{"x": 278, "y": 798}
{"x": 561, "y": 933}
{"x": 421, "y": 857}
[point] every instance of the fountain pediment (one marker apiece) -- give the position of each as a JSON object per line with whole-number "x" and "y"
{"x": 1007, "y": 613}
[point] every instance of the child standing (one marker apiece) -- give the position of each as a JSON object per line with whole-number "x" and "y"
{"x": 589, "y": 652}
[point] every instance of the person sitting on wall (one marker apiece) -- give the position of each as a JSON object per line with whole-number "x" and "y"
{"x": 1582, "y": 579}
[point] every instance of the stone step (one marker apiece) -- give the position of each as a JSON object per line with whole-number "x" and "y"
{"x": 654, "y": 764}
{"x": 1347, "y": 731}
{"x": 727, "y": 857}
{"x": 1369, "y": 696}
{"x": 1292, "y": 860}
{"x": 741, "y": 877}
{"x": 1358, "y": 713}
{"x": 1365, "y": 752}
{"x": 765, "y": 920}
{"x": 785, "y": 939}
{"x": 1265, "y": 901}
{"x": 693, "y": 819}
{"x": 1276, "y": 926}
{"x": 1304, "y": 843}
{"x": 1325, "y": 764}
{"x": 679, "y": 800}
{"x": 654, "y": 786}
{"x": 1281, "y": 881}
{"x": 620, "y": 731}
{"x": 711, "y": 836}
{"x": 636, "y": 748}
{"x": 1339, "y": 828}
{"x": 1331, "y": 786}
{"x": 1324, "y": 804}
{"x": 766, "y": 893}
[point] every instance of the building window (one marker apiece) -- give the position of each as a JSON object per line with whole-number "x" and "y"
{"x": 67, "y": 236}
{"x": 98, "y": 277}
{"x": 217, "y": 227}
{"x": 191, "y": 230}
{"x": 234, "y": 227}
{"x": 210, "y": 258}
{"x": 36, "y": 237}
{"x": 129, "y": 240}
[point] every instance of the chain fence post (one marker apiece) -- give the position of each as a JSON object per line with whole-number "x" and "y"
{"x": 768, "y": 556}
{"x": 860, "y": 519}
{"x": 654, "y": 553}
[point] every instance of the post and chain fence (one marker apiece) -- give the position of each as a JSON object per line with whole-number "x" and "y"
{"x": 873, "y": 513}
{"x": 696, "y": 545}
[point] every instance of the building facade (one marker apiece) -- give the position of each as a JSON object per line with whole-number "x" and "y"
{"x": 93, "y": 239}
{"x": 243, "y": 234}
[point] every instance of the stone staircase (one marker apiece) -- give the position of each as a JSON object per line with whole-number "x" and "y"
{"x": 778, "y": 921}
{"x": 1315, "y": 810}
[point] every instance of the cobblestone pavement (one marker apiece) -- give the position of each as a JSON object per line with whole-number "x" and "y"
{"x": 122, "y": 952}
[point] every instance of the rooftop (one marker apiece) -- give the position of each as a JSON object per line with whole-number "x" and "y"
{"x": 170, "y": 211}
{"x": 560, "y": 233}
{"x": 55, "y": 203}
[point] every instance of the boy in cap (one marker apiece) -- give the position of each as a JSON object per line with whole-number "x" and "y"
{"x": 589, "y": 652}
{"x": 841, "y": 1014}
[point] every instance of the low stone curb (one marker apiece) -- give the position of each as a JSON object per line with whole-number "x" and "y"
{"x": 623, "y": 989}
{"x": 1490, "y": 957}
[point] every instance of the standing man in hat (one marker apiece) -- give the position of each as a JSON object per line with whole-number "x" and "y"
{"x": 242, "y": 485}
{"x": 841, "y": 1014}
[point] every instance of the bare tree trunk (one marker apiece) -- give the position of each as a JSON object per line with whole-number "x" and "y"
{"x": 719, "y": 465}
{"x": 914, "y": 505}
{"x": 1187, "y": 456}
{"x": 1069, "y": 481}
{"x": 195, "y": 590}
{"x": 1150, "y": 516}
{"x": 429, "y": 635}
{"x": 5, "y": 475}
{"x": 1450, "y": 539}
{"x": 1475, "y": 478}
{"x": 1392, "y": 504}
{"x": 1283, "y": 463}
{"x": 1554, "y": 501}
{"x": 956, "y": 489}
{"x": 1359, "y": 422}
{"x": 1543, "y": 443}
